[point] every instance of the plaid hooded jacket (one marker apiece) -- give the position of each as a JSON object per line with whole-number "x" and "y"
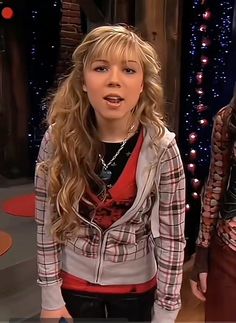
{"x": 147, "y": 240}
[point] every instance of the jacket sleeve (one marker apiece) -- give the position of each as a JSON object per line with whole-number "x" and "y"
{"x": 170, "y": 243}
{"x": 221, "y": 151}
{"x": 48, "y": 251}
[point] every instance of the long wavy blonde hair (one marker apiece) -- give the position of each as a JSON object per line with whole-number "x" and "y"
{"x": 75, "y": 139}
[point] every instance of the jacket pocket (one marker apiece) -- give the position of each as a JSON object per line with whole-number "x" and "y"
{"x": 86, "y": 243}
{"x": 126, "y": 245}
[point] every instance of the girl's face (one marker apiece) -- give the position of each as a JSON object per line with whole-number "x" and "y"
{"x": 113, "y": 87}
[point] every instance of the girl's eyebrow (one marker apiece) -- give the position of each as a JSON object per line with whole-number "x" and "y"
{"x": 105, "y": 61}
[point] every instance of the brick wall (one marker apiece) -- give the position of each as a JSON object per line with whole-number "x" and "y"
{"x": 71, "y": 34}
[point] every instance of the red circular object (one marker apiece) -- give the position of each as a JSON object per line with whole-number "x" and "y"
{"x": 23, "y": 205}
{"x": 193, "y": 154}
{"x": 5, "y": 242}
{"x": 196, "y": 183}
{"x": 187, "y": 207}
{"x": 203, "y": 122}
{"x": 207, "y": 14}
{"x": 191, "y": 168}
{"x": 201, "y": 107}
{"x": 192, "y": 138}
{"x": 7, "y": 13}
{"x": 204, "y": 60}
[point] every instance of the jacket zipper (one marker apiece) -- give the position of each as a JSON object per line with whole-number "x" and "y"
{"x": 111, "y": 228}
{"x": 101, "y": 234}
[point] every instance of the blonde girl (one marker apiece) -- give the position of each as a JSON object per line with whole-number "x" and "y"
{"x": 110, "y": 188}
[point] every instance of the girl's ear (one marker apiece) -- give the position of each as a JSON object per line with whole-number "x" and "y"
{"x": 84, "y": 88}
{"x": 141, "y": 90}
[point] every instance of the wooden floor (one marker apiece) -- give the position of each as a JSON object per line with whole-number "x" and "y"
{"x": 192, "y": 310}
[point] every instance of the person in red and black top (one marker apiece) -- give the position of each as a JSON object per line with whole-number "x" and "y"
{"x": 110, "y": 189}
{"x": 214, "y": 276}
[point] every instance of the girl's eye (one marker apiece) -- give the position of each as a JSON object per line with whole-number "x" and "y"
{"x": 101, "y": 68}
{"x": 129, "y": 70}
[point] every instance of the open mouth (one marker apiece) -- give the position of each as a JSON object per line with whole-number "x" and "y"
{"x": 113, "y": 99}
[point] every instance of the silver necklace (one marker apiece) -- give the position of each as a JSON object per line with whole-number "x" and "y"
{"x": 105, "y": 174}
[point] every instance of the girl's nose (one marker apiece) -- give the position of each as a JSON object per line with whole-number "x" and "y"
{"x": 114, "y": 77}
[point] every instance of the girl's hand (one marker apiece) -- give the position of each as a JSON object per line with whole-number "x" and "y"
{"x": 199, "y": 288}
{"x": 57, "y": 315}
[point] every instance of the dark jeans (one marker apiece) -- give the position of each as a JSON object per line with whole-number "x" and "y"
{"x": 120, "y": 308}
{"x": 221, "y": 283}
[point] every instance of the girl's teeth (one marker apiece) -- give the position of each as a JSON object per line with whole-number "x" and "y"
{"x": 113, "y": 100}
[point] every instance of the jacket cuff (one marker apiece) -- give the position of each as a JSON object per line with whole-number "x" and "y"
{"x": 52, "y": 297}
{"x": 200, "y": 263}
{"x": 160, "y": 315}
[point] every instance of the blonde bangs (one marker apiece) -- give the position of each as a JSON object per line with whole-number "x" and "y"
{"x": 118, "y": 46}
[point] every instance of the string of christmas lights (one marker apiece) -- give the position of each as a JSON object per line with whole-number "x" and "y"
{"x": 208, "y": 46}
{"x": 197, "y": 120}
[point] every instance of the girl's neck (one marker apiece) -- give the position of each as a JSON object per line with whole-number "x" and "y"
{"x": 116, "y": 133}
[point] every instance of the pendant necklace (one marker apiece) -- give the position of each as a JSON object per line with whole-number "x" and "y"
{"x": 105, "y": 174}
